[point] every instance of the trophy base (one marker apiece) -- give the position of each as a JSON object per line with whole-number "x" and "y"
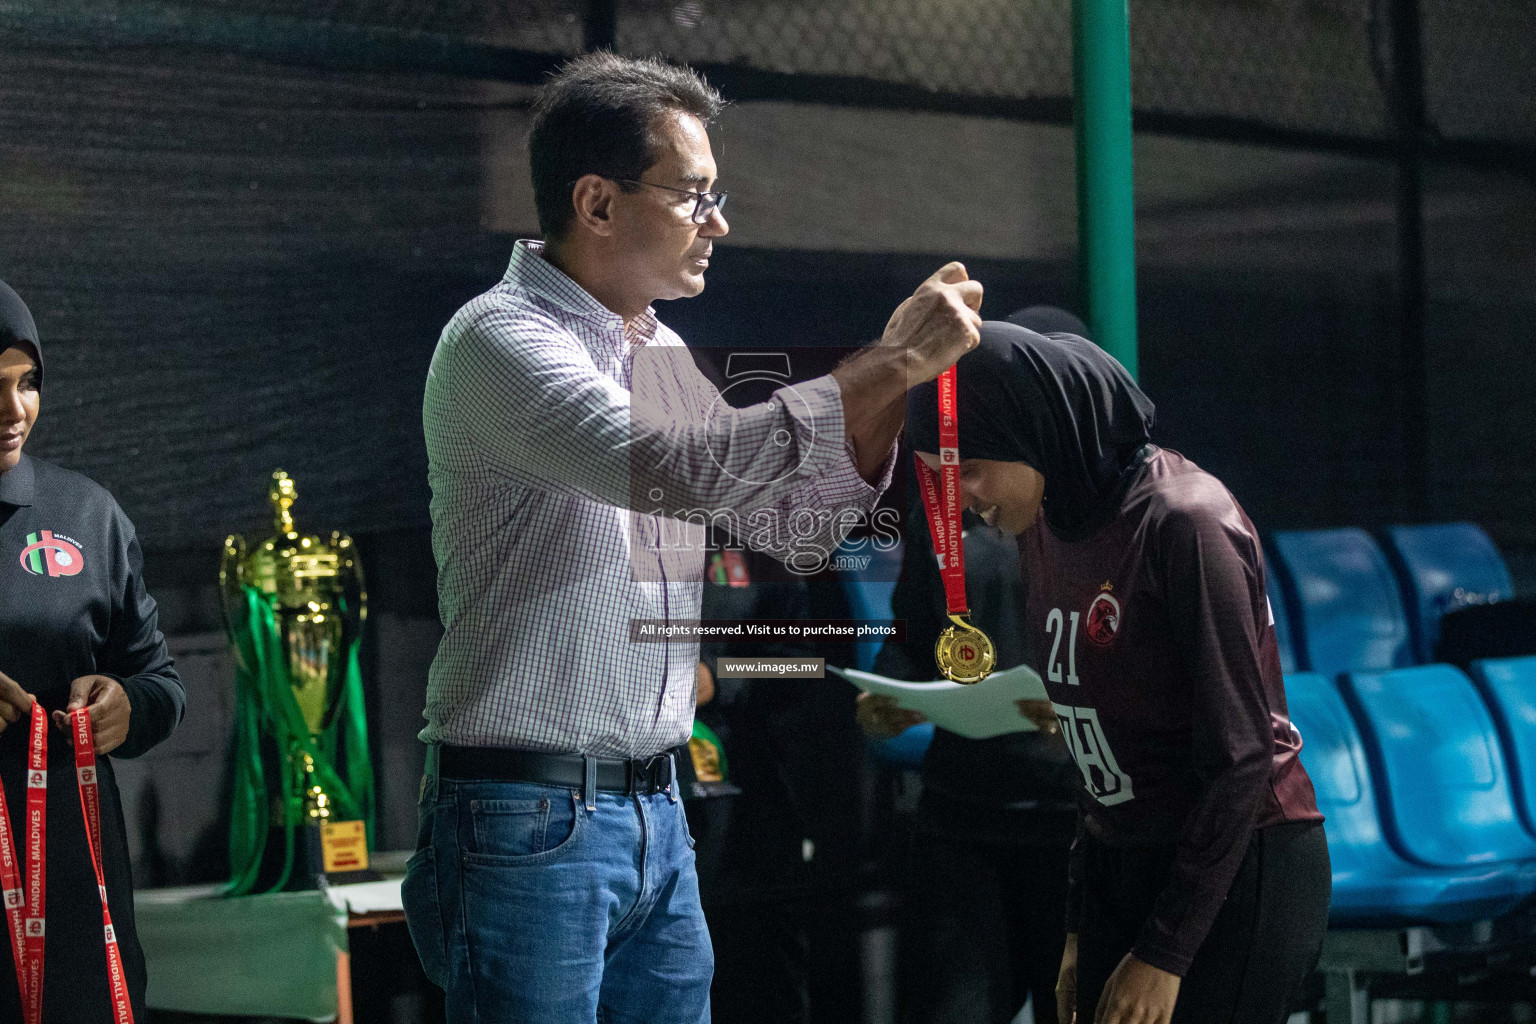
{"x": 318, "y": 849}
{"x": 308, "y": 860}
{"x": 308, "y": 871}
{"x": 340, "y": 846}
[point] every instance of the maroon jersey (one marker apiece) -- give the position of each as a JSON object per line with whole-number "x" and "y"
{"x": 1157, "y": 645}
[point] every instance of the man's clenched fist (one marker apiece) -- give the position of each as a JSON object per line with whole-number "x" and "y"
{"x": 938, "y": 324}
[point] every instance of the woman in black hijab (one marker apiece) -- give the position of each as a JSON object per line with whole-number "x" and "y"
{"x": 77, "y": 630}
{"x": 1199, "y": 876}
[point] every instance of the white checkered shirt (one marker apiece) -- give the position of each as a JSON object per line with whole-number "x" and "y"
{"x": 554, "y": 437}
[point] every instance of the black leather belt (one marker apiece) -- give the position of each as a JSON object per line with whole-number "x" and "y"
{"x": 642, "y": 776}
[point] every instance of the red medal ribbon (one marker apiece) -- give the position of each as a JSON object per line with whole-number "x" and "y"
{"x": 25, "y": 909}
{"x": 941, "y": 497}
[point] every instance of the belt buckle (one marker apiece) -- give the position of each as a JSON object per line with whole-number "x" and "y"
{"x": 647, "y": 770}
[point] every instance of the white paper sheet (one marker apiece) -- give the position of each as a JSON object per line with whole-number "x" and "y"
{"x": 977, "y": 711}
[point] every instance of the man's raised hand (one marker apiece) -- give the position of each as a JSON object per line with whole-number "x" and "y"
{"x": 927, "y": 333}
{"x": 938, "y": 324}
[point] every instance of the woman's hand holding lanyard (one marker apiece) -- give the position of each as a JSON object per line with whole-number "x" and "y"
{"x": 103, "y": 696}
{"x": 107, "y": 701}
{"x": 15, "y": 703}
{"x": 22, "y": 887}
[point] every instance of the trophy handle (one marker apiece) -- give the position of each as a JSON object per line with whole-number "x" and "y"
{"x": 354, "y": 593}
{"x": 232, "y": 601}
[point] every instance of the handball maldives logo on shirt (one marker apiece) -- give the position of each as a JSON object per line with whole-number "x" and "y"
{"x": 48, "y": 554}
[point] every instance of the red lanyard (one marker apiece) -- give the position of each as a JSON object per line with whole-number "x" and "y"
{"x": 941, "y": 497}
{"x": 963, "y": 653}
{"x": 25, "y": 909}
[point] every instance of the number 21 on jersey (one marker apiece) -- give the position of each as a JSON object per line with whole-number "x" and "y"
{"x": 1080, "y": 726}
{"x": 1054, "y": 626}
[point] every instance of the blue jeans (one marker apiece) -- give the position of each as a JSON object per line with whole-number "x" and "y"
{"x": 527, "y": 908}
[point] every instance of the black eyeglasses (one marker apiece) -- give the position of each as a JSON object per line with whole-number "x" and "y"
{"x": 704, "y": 203}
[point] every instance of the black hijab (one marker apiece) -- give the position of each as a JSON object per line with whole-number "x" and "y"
{"x": 1056, "y": 402}
{"x": 17, "y": 328}
{"x": 1049, "y": 320}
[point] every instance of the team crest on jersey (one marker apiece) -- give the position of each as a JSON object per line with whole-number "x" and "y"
{"x": 48, "y": 554}
{"x": 1103, "y": 621}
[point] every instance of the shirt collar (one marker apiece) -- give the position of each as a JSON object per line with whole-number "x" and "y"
{"x": 643, "y": 328}
{"x": 18, "y": 486}
{"x": 530, "y": 271}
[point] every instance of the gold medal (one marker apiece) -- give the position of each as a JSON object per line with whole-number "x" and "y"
{"x": 964, "y": 653}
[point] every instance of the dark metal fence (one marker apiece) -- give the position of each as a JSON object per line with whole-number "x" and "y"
{"x": 1402, "y": 81}
{"x": 1315, "y": 73}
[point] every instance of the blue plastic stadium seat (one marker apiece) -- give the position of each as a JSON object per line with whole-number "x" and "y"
{"x": 1281, "y": 613}
{"x": 1372, "y": 884}
{"x": 1441, "y": 567}
{"x": 869, "y": 589}
{"x": 1440, "y": 769}
{"x": 1509, "y": 685}
{"x": 1348, "y": 615}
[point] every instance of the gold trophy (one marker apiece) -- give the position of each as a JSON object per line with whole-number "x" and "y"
{"x": 294, "y": 606}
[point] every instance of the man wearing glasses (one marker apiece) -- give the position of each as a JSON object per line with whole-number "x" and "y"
{"x": 567, "y": 433}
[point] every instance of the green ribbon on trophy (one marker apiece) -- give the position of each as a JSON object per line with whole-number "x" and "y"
{"x": 302, "y": 803}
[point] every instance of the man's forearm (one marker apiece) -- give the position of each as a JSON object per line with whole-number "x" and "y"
{"x": 873, "y": 446}
{"x": 874, "y": 386}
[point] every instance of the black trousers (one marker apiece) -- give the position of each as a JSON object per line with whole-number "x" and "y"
{"x": 1263, "y": 944}
{"x": 982, "y": 928}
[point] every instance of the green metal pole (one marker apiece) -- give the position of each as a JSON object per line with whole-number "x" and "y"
{"x": 1106, "y": 235}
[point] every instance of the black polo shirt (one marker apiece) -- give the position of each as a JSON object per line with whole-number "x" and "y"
{"x": 72, "y": 603}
